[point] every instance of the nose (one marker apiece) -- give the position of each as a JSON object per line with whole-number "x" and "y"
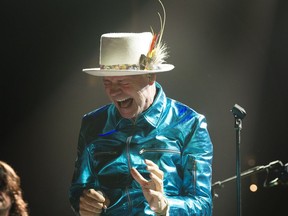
{"x": 115, "y": 90}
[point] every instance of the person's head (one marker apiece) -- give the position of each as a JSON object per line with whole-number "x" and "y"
{"x": 11, "y": 201}
{"x": 128, "y": 73}
{"x": 131, "y": 94}
{"x": 129, "y": 63}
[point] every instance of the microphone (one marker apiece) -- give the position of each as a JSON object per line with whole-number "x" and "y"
{"x": 238, "y": 111}
{"x": 284, "y": 176}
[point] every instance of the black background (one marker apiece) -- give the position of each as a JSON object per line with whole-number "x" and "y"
{"x": 224, "y": 52}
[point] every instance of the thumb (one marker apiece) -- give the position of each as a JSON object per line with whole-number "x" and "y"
{"x": 106, "y": 201}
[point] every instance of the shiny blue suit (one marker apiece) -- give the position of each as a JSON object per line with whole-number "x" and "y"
{"x": 172, "y": 135}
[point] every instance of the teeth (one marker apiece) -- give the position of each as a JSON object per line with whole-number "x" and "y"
{"x": 122, "y": 100}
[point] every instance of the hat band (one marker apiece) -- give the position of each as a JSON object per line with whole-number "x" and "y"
{"x": 120, "y": 67}
{"x": 145, "y": 63}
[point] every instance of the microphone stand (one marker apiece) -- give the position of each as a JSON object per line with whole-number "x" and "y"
{"x": 276, "y": 166}
{"x": 239, "y": 114}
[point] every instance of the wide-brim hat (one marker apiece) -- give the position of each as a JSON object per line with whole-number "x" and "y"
{"x": 101, "y": 72}
{"x": 123, "y": 54}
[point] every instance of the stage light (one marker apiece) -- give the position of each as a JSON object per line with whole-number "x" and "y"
{"x": 253, "y": 188}
{"x": 253, "y": 183}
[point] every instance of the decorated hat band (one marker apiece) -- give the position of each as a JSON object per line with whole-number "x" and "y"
{"x": 144, "y": 64}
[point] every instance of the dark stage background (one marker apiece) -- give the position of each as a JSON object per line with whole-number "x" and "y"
{"x": 224, "y": 52}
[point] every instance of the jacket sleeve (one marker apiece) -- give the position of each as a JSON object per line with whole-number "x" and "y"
{"x": 82, "y": 176}
{"x": 195, "y": 198}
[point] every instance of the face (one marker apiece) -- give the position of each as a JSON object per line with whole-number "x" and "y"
{"x": 130, "y": 94}
{"x": 5, "y": 202}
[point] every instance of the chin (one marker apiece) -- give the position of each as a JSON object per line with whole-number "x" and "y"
{"x": 128, "y": 116}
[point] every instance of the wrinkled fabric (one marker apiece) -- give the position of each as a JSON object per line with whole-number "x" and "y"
{"x": 169, "y": 133}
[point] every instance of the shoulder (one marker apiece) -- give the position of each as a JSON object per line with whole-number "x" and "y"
{"x": 94, "y": 121}
{"x": 102, "y": 111}
{"x": 181, "y": 109}
{"x": 96, "y": 118}
{"x": 184, "y": 113}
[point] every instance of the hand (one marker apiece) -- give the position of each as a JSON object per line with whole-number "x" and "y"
{"x": 153, "y": 189}
{"x": 92, "y": 203}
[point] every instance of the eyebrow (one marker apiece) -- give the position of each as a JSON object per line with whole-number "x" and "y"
{"x": 120, "y": 80}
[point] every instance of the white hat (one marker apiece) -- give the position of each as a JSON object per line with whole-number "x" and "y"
{"x": 120, "y": 55}
{"x": 123, "y": 54}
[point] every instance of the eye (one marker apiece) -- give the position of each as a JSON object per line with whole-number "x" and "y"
{"x": 124, "y": 83}
{"x": 106, "y": 83}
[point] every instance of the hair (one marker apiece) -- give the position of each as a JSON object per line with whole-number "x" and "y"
{"x": 10, "y": 182}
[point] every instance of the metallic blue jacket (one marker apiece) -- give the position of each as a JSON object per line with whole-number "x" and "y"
{"x": 169, "y": 133}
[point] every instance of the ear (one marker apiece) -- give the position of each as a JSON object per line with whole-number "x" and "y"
{"x": 151, "y": 78}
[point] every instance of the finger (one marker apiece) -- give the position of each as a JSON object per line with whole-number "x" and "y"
{"x": 138, "y": 177}
{"x": 88, "y": 213}
{"x": 89, "y": 204}
{"x": 89, "y": 210}
{"x": 150, "y": 163}
{"x": 92, "y": 201}
{"x": 156, "y": 171}
{"x": 106, "y": 203}
{"x": 96, "y": 195}
{"x": 153, "y": 168}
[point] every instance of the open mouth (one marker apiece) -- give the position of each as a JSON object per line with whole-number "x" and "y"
{"x": 125, "y": 103}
